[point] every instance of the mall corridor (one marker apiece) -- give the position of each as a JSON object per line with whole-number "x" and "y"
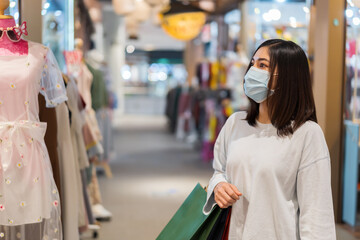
{"x": 153, "y": 174}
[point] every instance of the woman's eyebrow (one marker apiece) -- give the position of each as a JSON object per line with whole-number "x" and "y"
{"x": 263, "y": 59}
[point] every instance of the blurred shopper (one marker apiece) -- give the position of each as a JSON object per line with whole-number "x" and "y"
{"x": 271, "y": 163}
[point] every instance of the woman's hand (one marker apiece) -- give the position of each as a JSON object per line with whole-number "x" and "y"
{"x": 226, "y": 194}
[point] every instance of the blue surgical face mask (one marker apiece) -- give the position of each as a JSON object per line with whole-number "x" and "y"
{"x": 256, "y": 84}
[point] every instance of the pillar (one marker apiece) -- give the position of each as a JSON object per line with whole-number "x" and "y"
{"x": 329, "y": 61}
{"x": 31, "y": 13}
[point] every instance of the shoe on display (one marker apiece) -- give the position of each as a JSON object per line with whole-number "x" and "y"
{"x": 100, "y": 213}
{"x": 93, "y": 227}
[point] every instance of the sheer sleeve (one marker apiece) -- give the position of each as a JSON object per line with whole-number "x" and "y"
{"x": 52, "y": 84}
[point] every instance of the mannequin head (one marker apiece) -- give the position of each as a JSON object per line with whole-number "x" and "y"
{"x": 4, "y": 4}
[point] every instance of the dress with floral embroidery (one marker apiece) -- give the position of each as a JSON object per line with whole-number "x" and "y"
{"x": 29, "y": 199}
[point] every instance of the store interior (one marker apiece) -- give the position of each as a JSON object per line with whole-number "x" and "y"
{"x": 150, "y": 83}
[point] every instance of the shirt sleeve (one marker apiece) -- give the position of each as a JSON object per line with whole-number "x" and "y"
{"x": 316, "y": 214}
{"x": 219, "y": 164}
{"x": 52, "y": 84}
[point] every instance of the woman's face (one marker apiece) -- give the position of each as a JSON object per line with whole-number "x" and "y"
{"x": 261, "y": 60}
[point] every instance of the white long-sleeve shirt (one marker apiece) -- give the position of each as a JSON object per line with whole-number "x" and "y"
{"x": 285, "y": 181}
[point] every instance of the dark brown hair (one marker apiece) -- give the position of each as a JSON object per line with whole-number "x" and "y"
{"x": 292, "y": 103}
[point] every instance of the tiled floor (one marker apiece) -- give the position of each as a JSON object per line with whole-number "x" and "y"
{"x": 153, "y": 174}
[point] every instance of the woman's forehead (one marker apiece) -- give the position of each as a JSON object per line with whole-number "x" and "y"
{"x": 262, "y": 53}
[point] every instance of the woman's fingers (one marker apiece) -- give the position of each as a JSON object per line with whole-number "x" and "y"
{"x": 221, "y": 202}
{"x": 226, "y": 194}
{"x": 230, "y": 191}
{"x": 234, "y": 188}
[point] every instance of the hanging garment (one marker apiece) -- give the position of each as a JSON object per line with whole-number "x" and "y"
{"x": 81, "y": 161}
{"x": 69, "y": 181}
{"x": 28, "y": 193}
{"x": 48, "y": 115}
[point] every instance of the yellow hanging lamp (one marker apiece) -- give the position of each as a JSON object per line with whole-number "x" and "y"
{"x": 183, "y": 22}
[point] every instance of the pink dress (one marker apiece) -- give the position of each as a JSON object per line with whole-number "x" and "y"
{"x": 29, "y": 199}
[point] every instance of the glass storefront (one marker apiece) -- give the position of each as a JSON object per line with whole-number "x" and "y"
{"x": 58, "y": 27}
{"x": 351, "y": 115}
{"x": 14, "y": 10}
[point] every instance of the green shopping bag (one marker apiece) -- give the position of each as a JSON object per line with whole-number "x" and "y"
{"x": 189, "y": 222}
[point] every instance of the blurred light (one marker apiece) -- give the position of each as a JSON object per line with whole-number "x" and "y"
{"x": 257, "y": 11}
{"x": 12, "y": 4}
{"x": 149, "y": 47}
{"x": 58, "y": 13}
{"x": 126, "y": 75}
{"x": 46, "y": 5}
{"x": 207, "y": 5}
{"x": 130, "y": 49}
{"x": 306, "y": 9}
{"x": 267, "y": 17}
{"x": 349, "y": 13}
{"x": 43, "y": 12}
{"x": 139, "y": 0}
{"x": 350, "y": 3}
{"x": 356, "y": 21}
{"x": 293, "y": 22}
{"x": 280, "y": 1}
{"x": 16, "y": 16}
{"x": 275, "y": 14}
{"x": 162, "y": 76}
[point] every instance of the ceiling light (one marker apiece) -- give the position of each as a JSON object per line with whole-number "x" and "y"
{"x": 12, "y": 4}
{"x": 349, "y": 13}
{"x": 306, "y": 9}
{"x": 293, "y": 22}
{"x": 257, "y": 11}
{"x": 350, "y": 3}
{"x": 58, "y": 13}
{"x": 275, "y": 14}
{"x": 46, "y": 5}
{"x": 280, "y": 1}
{"x": 356, "y": 21}
{"x": 267, "y": 17}
{"x": 130, "y": 49}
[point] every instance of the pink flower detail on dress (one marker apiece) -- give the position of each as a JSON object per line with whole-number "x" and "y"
{"x": 1, "y": 103}
{"x": 22, "y": 204}
{"x": 22, "y": 156}
{"x": 58, "y": 86}
{"x": 2, "y": 235}
{"x": 2, "y": 207}
{"x": 31, "y": 140}
{"x": 10, "y": 221}
{"x": 43, "y": 88}
{"x": 26, "y": 102}
{"x": 7, "y": 181}
{"x": 19, "y": 165}
{"x": 12, "y": 86}
{"x": 36, "y": 179}
{"x": 56, "y": 203}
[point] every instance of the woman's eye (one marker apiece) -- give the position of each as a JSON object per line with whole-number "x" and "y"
{"x": 263, "y": 65}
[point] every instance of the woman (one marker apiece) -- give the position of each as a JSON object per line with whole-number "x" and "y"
{"x": 272, "y": 163}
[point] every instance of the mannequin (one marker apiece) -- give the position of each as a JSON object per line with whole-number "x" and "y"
{"x": 7, "y": 47}
{"x": 30, "y": 202}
